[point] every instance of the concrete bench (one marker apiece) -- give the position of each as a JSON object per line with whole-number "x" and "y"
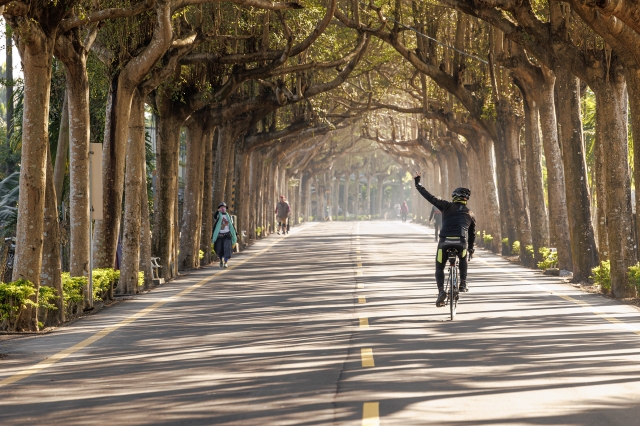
{"x": 155, "y": 266}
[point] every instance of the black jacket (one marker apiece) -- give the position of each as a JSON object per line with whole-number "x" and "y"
{"x": 457, "y": 219}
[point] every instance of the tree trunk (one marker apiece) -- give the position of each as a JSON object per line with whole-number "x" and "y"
{"x": 207, "y": 198}
{"x": 611, "y": 104}
{"x": 583, "y": 246}
{"x": 106, "y": 231}
{"x": 535, "y": 184}
{"x": 347, "y": 182}
{"x": 600, "y": 166}
{"x": 368, "y": 199}
{"x": 504, "y": 196}
{"x": 134, "y": 184}
{"x": 165, "y": 205}
{"x": 194, "y": 183}
{"x": 9, "y": 76}
{"x": 305, "y": 185}
{"x": 493, "y": 206}
{"x": 37, "y": 54}
{"x": 145, "y": 232}
{"x": 633, "y": 79}
{"x": 463, "y": 162}
{"x": 380, "y": 194}
{"x": 244, "y": 195}
{"x": 558, "y": 216}
{"x": 79, "y": 128}
{"x": 123, "y": 87}
{"x": 51, "y": 273}
{"x": 444, "y": 175}
{"x": 223, "y": 155}
{"x": 62, "y": 151}
{"x": 508, "y": 133}
{"x": 253, "y": 196}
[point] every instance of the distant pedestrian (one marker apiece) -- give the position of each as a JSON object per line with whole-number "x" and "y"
{"x": 437, "y": 215}
{"x": 283, "y": 210}
{"x": 404, "y": 211}
{"x": 224, "y": 234}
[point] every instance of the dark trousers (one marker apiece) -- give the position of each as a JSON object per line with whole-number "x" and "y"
{"x": 441, "y": 258}
{"x": 223, "y": 246}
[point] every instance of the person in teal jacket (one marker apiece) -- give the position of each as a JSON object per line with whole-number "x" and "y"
{"x": 224, "y": 235}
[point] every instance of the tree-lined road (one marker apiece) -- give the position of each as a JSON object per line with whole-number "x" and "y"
{"x": 335, "y": 324}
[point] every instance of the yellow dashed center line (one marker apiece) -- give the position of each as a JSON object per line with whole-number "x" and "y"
{"x": 359, "y": 265}
{"x": 366, "y": 355}
{"x": 360, "y": 286}
{"x": 362, "y": 299}
{"x": 371, "y": 414}
{"x": 364, "y": 322}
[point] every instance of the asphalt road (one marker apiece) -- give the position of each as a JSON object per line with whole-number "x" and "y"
{"x": 335, "y": 324}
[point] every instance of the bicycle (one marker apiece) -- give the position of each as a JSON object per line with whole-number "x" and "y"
{"x": 452, "y": 286}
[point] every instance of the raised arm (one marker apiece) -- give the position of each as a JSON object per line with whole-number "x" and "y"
{"x": 439, "y": 203}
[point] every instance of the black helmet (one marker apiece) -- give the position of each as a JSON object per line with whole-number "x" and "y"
{"x": 222, "y": 204}
{"x": 461, "y": 194}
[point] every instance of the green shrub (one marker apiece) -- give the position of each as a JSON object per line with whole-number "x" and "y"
{"x": 515, "y": 248}
{"x": 634, "y": 275}
{"x": 103, "y": 279}
{"x": 488, "y": 239}
{"x": 72, "y": 292}
{"x": 200, "y": 254}
{"x": 549, "y": 258}
{"x": 602, "y": 275}
{"x": 141, "y": 275}
{"x": 505, "y": 241}
{"x": 14, "y": 297}
{"x": 46, "y": 296}
{"x": 529, "y": 250}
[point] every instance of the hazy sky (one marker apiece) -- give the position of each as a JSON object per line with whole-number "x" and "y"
{"x": 17, "y": 67}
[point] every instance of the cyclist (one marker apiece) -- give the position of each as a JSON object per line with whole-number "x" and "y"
{"x": 458, "y": 231}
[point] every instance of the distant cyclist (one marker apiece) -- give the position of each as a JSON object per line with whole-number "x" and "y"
{"x": 458, "y": 231}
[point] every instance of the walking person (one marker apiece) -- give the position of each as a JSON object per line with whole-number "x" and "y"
{"x": 437, "y": 215}
{"x": 283, "y": 210}
{"x": 224, "y": 235}
{"x": 404, "y": 211}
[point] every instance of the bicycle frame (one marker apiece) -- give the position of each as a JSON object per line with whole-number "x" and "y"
{"x": 452, "y": 281}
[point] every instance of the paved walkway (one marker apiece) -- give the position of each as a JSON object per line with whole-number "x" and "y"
{"x": 335, "y": 324}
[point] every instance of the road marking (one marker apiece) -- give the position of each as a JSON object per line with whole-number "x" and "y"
{"x": 359, "y": 273}
{"x": 358, "y": 258}
{"x": 360, "y": 286}
{"x": 364, "y": 322}
{"x": 359, "y": 265}
{"x": 366, "y": 355}
{"x": 108, "y": 330}
{"x": 371, "y": 414}
{"x": 580, "y": 303}
{"x": 362, "y": 299}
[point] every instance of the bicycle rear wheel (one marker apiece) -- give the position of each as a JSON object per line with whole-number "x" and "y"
{"x": 453, "y": 292}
